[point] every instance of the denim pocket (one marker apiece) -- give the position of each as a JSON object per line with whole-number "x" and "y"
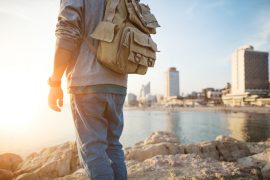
{"x": 92, "y": 104}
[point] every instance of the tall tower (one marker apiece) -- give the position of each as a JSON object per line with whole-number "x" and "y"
{"x": 172, "y": 82}
{"x": 250, "y": 71}
{"x": 145, "y": 90}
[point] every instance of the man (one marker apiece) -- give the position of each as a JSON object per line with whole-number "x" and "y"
{"x": 97, "y": 93}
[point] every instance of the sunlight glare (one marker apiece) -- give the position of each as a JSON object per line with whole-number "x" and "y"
{"x": 18, "y": 103}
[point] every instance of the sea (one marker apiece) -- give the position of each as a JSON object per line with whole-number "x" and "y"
{"x": 51, "y": 128}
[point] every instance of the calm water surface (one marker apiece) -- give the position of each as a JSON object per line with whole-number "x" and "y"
{"x": 50, "y": 128}
{"x": 193, "y": 127}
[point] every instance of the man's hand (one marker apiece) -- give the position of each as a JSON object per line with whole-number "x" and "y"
{"x": 55, "y": 98}
{"x": 62, "y": 58}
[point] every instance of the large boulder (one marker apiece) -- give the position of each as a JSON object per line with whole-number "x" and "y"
{"x": 53, "y": 162}
{"x": 161, "y": 136}
{"x": 143, "y": 152}
{"x": 187, "y": 166}
{"x": 5, "y": 174}
{"x": 266, "y": 171}
{"x": 230, "y": 149}
{"x": 223, "y": 148}
{"x": 163, "y": 143}
{"x": 10, "y": 161}
{"x": 261, "y": 160}
{"x": 158, "y": 143}
{"x": 258, "y": 147}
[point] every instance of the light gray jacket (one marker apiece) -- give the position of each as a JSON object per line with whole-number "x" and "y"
{"x": 76, "y": 21}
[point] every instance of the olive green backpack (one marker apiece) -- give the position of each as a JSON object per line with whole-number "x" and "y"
{"x": 125, "y": 45}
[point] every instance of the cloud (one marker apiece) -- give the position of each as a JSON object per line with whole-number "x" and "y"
{"x": 197, "y": 6}
{"x": 215, "y": 4}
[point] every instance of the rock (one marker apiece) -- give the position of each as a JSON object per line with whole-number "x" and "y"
{"x": 223, "y": 148}
{"x": 266, "y": 171}
{"x": 161, "y": 156}
{"x": 187, "y": 166}
{"x": 9, "y": 161}
{"x": 80, "y": 174}
{"x": 225, "y": 138}
{"x": 209, "y": 150}
{"x": 256, "y": 148}
{"x": 193, "y": 149}
{"x": 5, "y": 174}
{"x": 53, "y": 162}
{"x": 163, "y": 143}
{"x": 230, "y": 149}
{"x": 161, "y": 136}
{"x": 257, "y": 160}
{"x": 261, "y": 160}
{"x": 143, "y": 152}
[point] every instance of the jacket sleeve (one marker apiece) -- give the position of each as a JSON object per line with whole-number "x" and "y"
{"x": 69, "y": 28}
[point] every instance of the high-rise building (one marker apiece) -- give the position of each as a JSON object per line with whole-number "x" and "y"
{"x": 145, "y": 90}
{"x": 172, "y": 82}
{"x": 132, "y": 99}
{"x": 250, "y": 71}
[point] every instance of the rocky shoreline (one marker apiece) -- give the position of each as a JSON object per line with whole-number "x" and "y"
{"x": 160, "y": 156}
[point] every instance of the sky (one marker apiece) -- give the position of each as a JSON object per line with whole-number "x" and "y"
{"x": 196, "y": 36}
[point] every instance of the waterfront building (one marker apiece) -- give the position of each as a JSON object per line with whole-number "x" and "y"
{"x": 205, "y": 92}
{"x": 132, "y": 99}
{"x": 250, "y": 78}
{"x": 250, "y": 71}
{"x": 145, "y": 90}
{"x": 194, "y": 94}
{"x": 211, "y": 96}
{"x": 172, "y": 83}
{"x": 214, "y": 95}
{"x": 160, "y": 99}
{"x": 227, "y": 89}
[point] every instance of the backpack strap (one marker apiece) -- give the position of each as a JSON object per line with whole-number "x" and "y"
{"x": 110, "y": 10}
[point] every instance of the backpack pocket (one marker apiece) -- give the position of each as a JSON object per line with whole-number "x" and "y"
{"x": 137, "y": 51}
{"x": 124, "y": 49}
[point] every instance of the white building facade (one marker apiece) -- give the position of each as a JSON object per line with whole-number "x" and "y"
{"x": 250, "y": 78}
{"x": 250, "y": 71}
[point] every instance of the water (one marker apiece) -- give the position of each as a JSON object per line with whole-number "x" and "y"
{"x": 50, "y": 128}
{"x": 192, "y": 127}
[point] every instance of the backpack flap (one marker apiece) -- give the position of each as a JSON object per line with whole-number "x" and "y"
{"x": 149, "y": 19}
{"x": 104, "y": 31}
{"x": 141, "y": 16}
{"x": 142, "y": 49}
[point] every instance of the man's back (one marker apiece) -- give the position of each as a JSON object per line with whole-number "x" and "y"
{"x": 77, "y": 20}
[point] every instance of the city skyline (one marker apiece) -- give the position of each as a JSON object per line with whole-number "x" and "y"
{"x": 197, "y": 37}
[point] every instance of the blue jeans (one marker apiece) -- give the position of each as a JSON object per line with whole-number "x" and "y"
{"x": 98, "y": 119}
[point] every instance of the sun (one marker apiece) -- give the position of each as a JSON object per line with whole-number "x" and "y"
{"x": 19, "y": 102}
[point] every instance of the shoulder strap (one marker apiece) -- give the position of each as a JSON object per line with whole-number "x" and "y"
{"x": 110, "y": 10}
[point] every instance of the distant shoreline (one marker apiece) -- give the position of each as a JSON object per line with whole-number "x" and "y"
{"x": 257, "y": 110}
